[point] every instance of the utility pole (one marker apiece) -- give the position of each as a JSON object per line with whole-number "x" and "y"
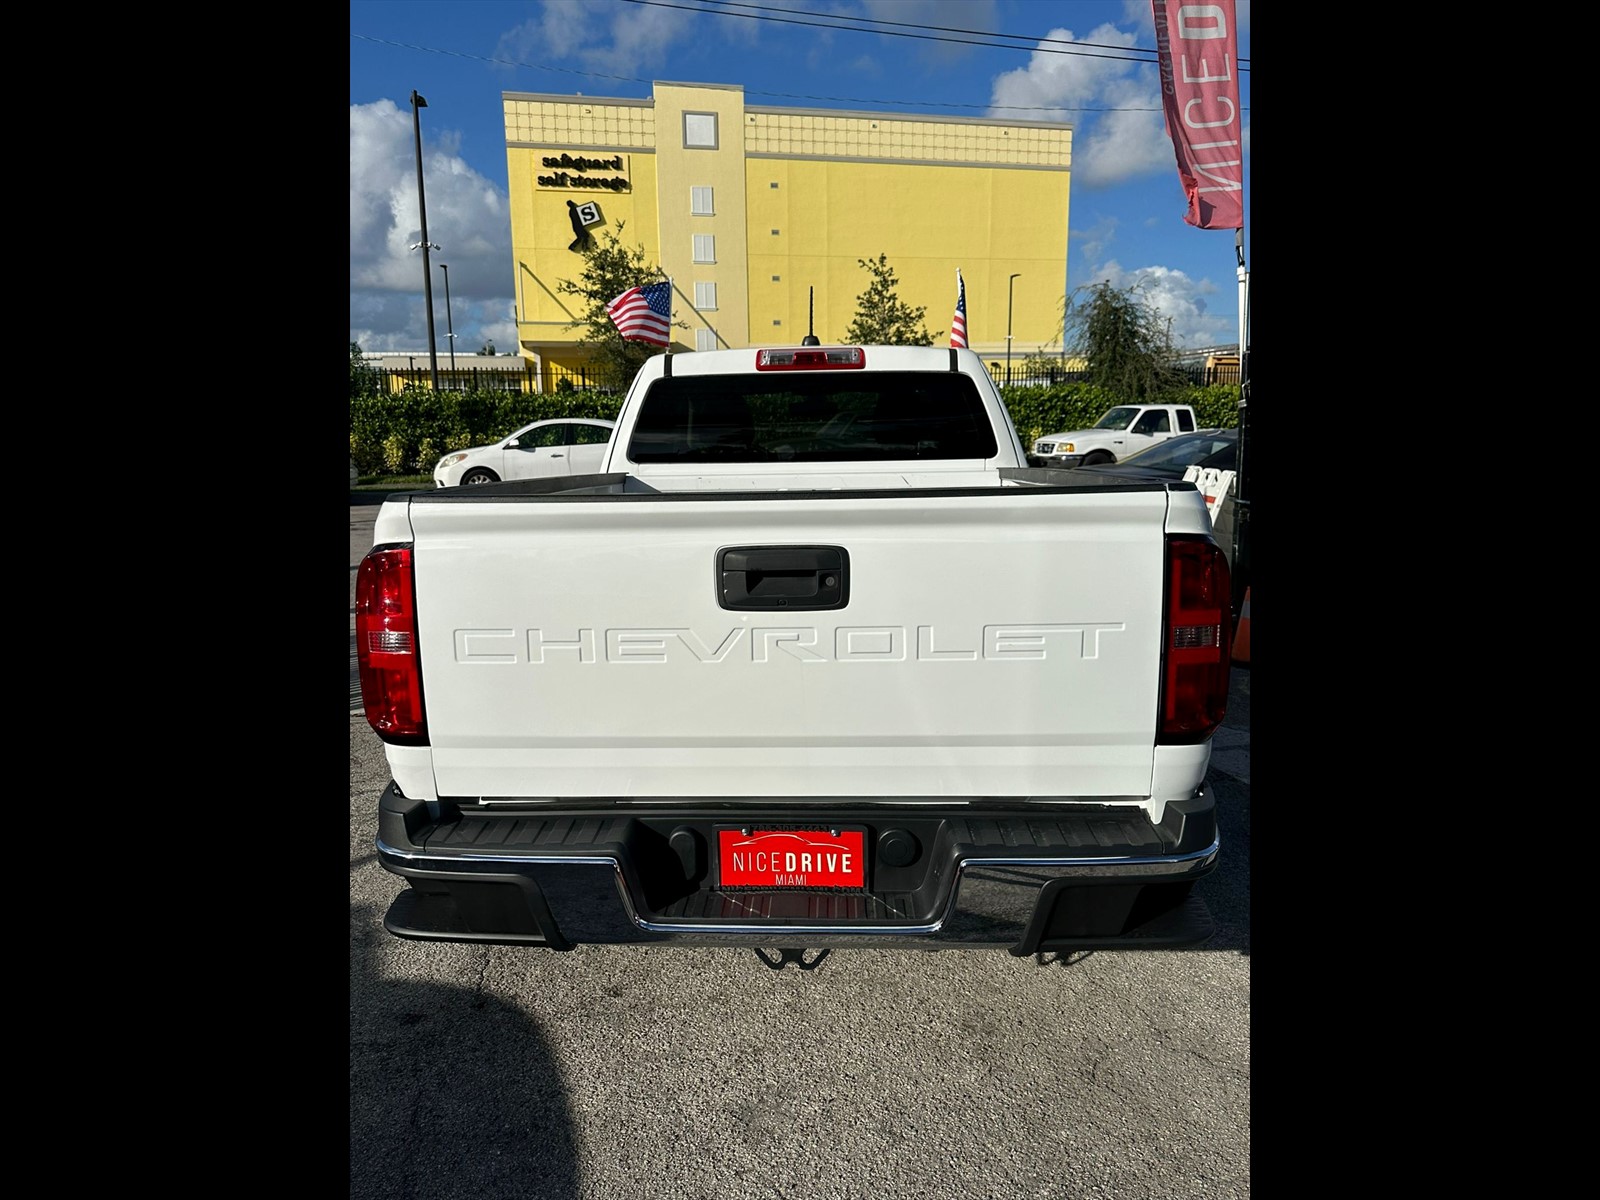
{"x": 450, "y": 322}
{"x": 417, "y": 105}
{"x": 1010, "y": 287}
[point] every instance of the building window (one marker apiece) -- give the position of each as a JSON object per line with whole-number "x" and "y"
{"x": 700, "y": 130}
{"x": 772, "y": 185}
{"x": 700, "y": 202}
{"x": 705, "y": 339}
{"x": 774, "y": 233}
{"x": 777, "y": 322}
{"x": 705, "y": 296}
{"x": 705, "y": 248}
{"x": 777, "y": 278}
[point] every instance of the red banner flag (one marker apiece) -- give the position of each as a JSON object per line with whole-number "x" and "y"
{"x": 1197, "y": 46}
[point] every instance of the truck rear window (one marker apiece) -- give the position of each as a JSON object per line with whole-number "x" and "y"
{"x": 812, "y": 418}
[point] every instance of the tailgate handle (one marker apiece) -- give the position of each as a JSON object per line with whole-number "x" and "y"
{"x": 803, "y": 578}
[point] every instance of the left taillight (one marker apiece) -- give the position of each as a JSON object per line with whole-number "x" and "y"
{"x": 1199, "y": 637}
{"x": 386, "y": 645}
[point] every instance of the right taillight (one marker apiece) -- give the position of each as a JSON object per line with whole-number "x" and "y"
{"x": 1198, "y": 641}
{"x": 386, "y": 645}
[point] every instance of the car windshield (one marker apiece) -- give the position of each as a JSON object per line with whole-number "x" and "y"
{"x": 1187, "y": 451}
{"x": 1117, "y": 418}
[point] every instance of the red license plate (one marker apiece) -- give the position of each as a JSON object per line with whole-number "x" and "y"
{"x": 791, "y": 858}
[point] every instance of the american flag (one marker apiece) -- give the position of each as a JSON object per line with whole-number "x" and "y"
{"x": 643, "y": 314}
{"x": 958, "y": 323}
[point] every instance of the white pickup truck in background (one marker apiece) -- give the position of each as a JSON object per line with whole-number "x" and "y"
{"x": 1124, "y": 430}
{"x": 814, "y": 660}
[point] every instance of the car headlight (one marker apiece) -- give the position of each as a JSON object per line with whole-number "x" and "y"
{"x": 1064, "y": 448}
{"x": 450, "y": 460}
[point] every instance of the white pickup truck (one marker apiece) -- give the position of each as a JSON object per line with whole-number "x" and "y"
{"x": 1125, "y": 429}
{"x": 814, "y": 660}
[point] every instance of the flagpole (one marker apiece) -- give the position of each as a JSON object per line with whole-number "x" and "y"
{"x": 1239, "y": 554}
{"x": 670, "y": 295}
{"x": 1244, "y": 298}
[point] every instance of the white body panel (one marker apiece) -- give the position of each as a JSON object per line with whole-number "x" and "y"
{"x": 999, "y": 644}
{"x": 1001, "y": 639}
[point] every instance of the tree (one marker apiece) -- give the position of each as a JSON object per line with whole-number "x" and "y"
{"x": 1125, "y": 343}
{"x": 364, "y": 379}
{"x": 882, "y": 318}
{"x": 487, "y": 348}
{"x": 609, "y": 269}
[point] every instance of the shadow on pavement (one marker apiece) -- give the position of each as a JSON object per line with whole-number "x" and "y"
{"x": 452, "y": 1093}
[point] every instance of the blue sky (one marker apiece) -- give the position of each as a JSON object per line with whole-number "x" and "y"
{"x": 974, "y": 58}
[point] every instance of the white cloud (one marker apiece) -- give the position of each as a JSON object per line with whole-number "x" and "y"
{"x": 1200, "y": 315}
{"x": 625, "y": 40}
{"x": 1108, "y": 146}
{"x": 468, "y": 219}
{"x": 1128, "y": 143}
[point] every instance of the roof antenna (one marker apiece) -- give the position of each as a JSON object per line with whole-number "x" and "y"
{"x": 810, "y": 338}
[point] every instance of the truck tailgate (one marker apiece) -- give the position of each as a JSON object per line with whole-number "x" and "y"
{"x": 999, "y": 643}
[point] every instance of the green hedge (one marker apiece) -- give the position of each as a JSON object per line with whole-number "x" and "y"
{"x": 1037, "y": 411}
{"x": 398, "y": 433}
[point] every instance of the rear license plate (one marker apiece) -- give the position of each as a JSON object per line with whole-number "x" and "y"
{"x": 792, "y": 858}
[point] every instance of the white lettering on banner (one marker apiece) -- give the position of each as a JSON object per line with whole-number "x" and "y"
{"x": 1198, "y": 22}
{"x": 1193, "y": 124}
{"x": 1190, "y": 18}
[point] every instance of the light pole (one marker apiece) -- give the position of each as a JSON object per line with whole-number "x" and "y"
{"x": 1010, "y": 291}
{"x": 449, "y": 322}
{"x": 417, "y": 105}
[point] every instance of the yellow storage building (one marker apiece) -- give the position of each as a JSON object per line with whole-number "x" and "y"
{"x": 760, "y": 217}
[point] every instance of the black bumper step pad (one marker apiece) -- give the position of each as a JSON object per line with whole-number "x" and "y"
{"x": 1055, "y": 877}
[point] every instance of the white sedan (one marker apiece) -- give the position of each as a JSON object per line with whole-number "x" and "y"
{"x": 562, "y": 446}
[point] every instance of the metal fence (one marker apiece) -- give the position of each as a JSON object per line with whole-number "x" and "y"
{"x": 500, "y": 379}
{"x": 1033, "y": 375}
{"x": 462, "y": 379}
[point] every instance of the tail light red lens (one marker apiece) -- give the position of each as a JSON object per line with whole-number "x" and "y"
{"x": 386, "y": 646}
{"x": 1198, "y": 644}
